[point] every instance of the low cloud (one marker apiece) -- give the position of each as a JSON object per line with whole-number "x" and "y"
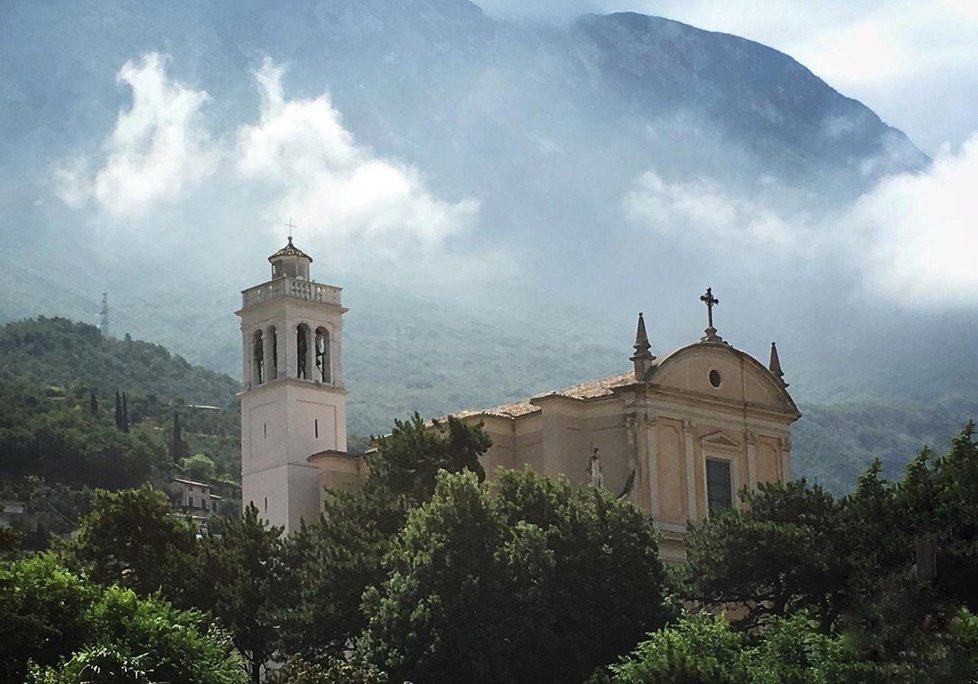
{"x": 921, "y": 232}
{"x": 702, "y": 211}
{"x": 911, "y": 239}
{"x": 157, "y": 150}
{"x": 340, "y": 190}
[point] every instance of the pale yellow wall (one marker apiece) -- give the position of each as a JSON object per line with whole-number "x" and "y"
{"x": 685, "y": 420}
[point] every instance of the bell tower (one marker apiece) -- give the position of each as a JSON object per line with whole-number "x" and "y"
{"x": 293, "y": 402}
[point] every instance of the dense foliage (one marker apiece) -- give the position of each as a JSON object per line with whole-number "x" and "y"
{"x": 527, "y": 580}
{"x": 57, "y": 351}
{"x": 701, "y": 649}
{"x": 890, "y": 569}
{"x": 132, "y": 538}
{"x": 78, "y": 411}
{"x": 66, "y": 629}
{"x": 342, "y": 556}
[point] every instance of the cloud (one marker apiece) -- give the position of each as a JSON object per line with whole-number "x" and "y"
{"x": 702, "y": 212}
{"x": 920, "y": 232}
{"x": 911, "y": 239}
{"x": 338, "y": 189}
{"x": 157, "y": 150}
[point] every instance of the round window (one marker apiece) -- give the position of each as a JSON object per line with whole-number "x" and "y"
{"x": 715, "y": 378}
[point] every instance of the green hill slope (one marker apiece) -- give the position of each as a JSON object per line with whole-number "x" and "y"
{"x": 61, "y": 352}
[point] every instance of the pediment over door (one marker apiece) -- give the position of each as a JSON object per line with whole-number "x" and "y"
{"x": 720, "y": 441}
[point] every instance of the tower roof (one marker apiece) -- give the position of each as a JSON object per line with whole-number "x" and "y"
{"x": 642, "y": 346}
{"x": 290, "y": 250}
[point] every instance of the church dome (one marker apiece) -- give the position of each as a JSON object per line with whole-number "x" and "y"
{"x": 290, "y": 261}
{"x": 289, "y": 250}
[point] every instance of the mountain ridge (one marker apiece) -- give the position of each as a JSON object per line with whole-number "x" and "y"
{"x": 550, "y": 130}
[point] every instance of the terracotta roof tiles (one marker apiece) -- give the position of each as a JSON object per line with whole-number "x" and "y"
{"x": 593, "y": 389}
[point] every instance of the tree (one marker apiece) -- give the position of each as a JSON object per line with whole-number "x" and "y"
{"x": 133, "y": 538}
{"x": 335, "y": 671}
{"x": 42, "y": 613}
{"x": 242, "y": 580}
{"x": 338, "y": 558}
{"x": 199, "y": 467}
{"x": 69, "y": 630}
{"x": 118, "y": 410}
{"x": 178, "y": 448}
{"x": 125, "y": 413}
{"x": 526, "y": 580}
{"x": 784, "y": 552}
{"x": 92, "y": 404}
{"x": 704, "y": 649}
{"x": 938, "y": 497}
{"x": 698, "y": 649}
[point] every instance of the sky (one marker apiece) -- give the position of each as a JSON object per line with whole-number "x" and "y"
{"x": 914, "y": 63}
{"x": 910, "y": 239}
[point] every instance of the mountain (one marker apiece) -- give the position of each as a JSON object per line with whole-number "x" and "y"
{"x": 540, "y": 185}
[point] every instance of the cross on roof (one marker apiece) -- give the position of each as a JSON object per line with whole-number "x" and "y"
{"x": 291, "y": 227}
{"x": 710, "y": 301}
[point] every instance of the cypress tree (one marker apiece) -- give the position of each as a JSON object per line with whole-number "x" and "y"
{"x": 177, "y": 447}
{"x": 125, "y": 414}
{"x": 92, "y": 403}
{"x": 118, "y": 410}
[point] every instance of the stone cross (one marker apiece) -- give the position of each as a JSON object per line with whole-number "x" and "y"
{"x": 710, "y": 301}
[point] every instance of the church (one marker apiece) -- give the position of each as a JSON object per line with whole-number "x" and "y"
{"x": 678, "y": 435}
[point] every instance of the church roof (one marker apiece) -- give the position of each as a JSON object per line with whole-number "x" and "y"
{"x": 593, "y": 389}
{"x": 290, "y": 250}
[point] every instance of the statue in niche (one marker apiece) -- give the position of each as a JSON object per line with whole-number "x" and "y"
{"x": 594, "y": 469}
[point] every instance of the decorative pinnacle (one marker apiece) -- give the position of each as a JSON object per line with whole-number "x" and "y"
{"x": 775, "y": 365}
{"x": 642, "y": 346}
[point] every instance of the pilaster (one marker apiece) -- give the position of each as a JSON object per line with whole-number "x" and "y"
{"x": 752, "y": 460}
{"x": 689, "y": 431}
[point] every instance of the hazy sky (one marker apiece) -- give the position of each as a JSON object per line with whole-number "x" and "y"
{"x": 913, "y": 62}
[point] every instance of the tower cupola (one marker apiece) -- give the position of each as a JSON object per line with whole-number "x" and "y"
{"x": 291, "y": 262}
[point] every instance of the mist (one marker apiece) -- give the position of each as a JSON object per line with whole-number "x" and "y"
{"x": 498, "y": 198}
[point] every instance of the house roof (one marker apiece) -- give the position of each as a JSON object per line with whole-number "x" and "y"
{"x": 593, "y": 389}
{"x": 190, "y": 482}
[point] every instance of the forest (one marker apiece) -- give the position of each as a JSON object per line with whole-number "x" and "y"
{"x": 430, "y": 573}
{"x": 79, "y": 411}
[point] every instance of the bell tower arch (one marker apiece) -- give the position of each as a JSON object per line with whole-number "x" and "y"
{"x": 293, "y": 401}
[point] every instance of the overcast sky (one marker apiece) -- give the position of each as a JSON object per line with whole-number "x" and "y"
{"x": 914, "y": 62}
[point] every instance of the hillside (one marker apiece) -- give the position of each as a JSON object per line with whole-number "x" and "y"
{"x": 57, "y": 351}
{"x": 51, "y": 364}
{"x": 543, "y": 184}
{"x": 60, "y": 435}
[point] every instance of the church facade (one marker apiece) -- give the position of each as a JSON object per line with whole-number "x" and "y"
{"x": 677, "y": 435}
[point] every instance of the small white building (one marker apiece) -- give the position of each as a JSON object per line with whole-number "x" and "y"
{"x": 194, "y": 498}
{"x": 12, "y": 512}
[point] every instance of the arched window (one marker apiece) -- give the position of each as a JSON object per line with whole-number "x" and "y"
{"x": 323, "y": 370}
{"x": 302, "y": 351}
{"x": 258, "y": 354}
{"x": 273, "y": 352}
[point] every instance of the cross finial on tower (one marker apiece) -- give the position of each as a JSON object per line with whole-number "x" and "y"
{"x": 710, "y": 301}
{"x": 291, "y": 227}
